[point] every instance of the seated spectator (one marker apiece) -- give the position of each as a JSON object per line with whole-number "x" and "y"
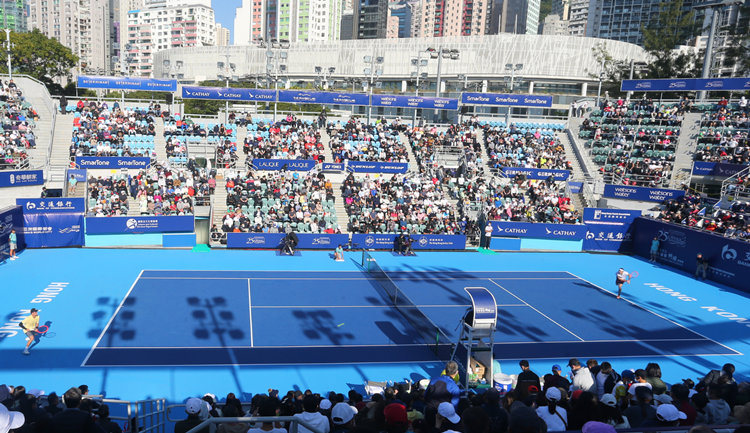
{"x": 312, "y": 415}
{"x": 72, "y": 419}
{"x": 193, "y": 408}
{"x": 104, "y": 422}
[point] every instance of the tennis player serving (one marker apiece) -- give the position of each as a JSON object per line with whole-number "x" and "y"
{"x": 30, "y": 326}
{"x": 622, "y": 277}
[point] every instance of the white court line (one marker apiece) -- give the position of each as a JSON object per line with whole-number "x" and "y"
{"x": 548, "y": 318}
{"x": 245, "y": 278}
{"x": 470, "y": 278}
{"x": 250, "y": 311}
{"x": 110, "y": 320}
{"x": 374, "y": 306}
{"x": 267, "y": 347}
{"x": 659, "y": 315}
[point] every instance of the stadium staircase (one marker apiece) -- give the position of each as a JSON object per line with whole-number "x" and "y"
{"x": 685, "y": 152}
{"x": 577, "y": 173}
{"x": 242, "y": 158}
{"x": 42, "y": 130}
{"x": 341, "y": 214}
{"x": 325, "y": 139}
{"x": 220, "y": 202}
{"x": 413, "y": 165}
{"x": 60, "y": 156}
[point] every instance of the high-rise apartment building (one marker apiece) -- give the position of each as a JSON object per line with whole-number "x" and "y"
{"x": 81, "y": 25}
{"x": 347, "y": 25}
{"x": 370, "y": 19}
{"x": 399, "y": 19}
{"x": 249, "y": 22}
{"x": 554, "y": 26}
{"x": 222, "y": 35}
{"x": 561, "y": 8}
{"x": 161, "y": 28}
{"x": 578, "y": 17}
{"x": 13, "y": 15}
{"x": 515, "y": 16}
{"x": 432, "y": 18}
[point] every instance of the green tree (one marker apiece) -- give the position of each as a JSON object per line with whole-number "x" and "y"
{"x": 41, "y": 57}
{"x": 668, "y": 29}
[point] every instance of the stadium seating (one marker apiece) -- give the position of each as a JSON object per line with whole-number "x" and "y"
{"x": 18, "y": 128}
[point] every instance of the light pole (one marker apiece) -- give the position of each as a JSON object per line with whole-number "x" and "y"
{"x": 714, "y": 9}
{"x": 419, "y": 63}
{"x": 513, "y": 68}
{"x": 276, "y": 51}
{"x": 325, "y": 73}
{"x": 8, "y": 45}
{"x": 372, "y": 73}
{"x": 225, "y": 71}
{"x": 439, "y": 54}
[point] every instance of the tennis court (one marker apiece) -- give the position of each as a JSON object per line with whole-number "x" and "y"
{"x": 189, "y": 318}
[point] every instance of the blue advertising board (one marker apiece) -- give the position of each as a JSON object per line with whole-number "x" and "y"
{"x": 377, "y": 167}
{"x": 45, "y": 230}
{"x": 592, "y": 215}
{"x": 536, "y": 173}
{"x": 94, "y": 162}
{"x": 728, "y": 259}
{"x": 421, "y": 242}
{"x": 568, "y": 232}
{"x": 278, "y": 164}
{"x": 79, "y": 174}
{"x": 329, "y": 166}
{"x": 414, "y": 102}
{"x": 717, "y": 169}
{"x": 506, "y": 100}
{"x": 315, "y": 241}
{"x": 575, "y": 187}
{"x": 139, "y": 224}
{"x": 641, "y": 193}
{"x": 685, "y": 84}
{"x": 304, "y": 97}
{"x": 11, "y": 219}
{"x": 21, "y": 178}
{"x": 228, "y": 94}
{"x": 127, "y": 83}
{"x": 52, "y": 205}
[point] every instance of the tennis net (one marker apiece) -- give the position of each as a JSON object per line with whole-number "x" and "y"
{"x": 427, "y": 330}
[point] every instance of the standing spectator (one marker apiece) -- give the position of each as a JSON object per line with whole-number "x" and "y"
{"x": 104, "y": 422}
{"x": 639, "y": 381}
{"x": 717, "y": 410}
{"x": 654, "y": 248}
{"x": 701, "y": 264}
{"x": 547, "y": 409}
{"x": 193, "y": 409}
{"x": 441, "y": 390}
{"x": 582, "y": 379}
{"x": 556, "y": 379}
{"x": 498, "y": 417}
{"x": 72, "y": 419}
{"x": 312, "y": 416}
{"x": 63, "y": 104}
{"x": 527, "y": 377}
{"x": 606, "y": 379}
{"x": 681, "y": 400}
{"x": 723, "y": 378}
{"x": 13, "y": 242}
{"x": 653, "y": 376}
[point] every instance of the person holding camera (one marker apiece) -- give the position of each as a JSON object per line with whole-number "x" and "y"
{"x": 290, "y": 243}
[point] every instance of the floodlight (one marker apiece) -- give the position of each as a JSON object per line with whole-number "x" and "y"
{"x": 232, "y": 66}
{"x": 423, "y": 62}
{"x": 414, "y": 75}
{"x": 519, "y": 66}
{"x": 368, "y": 59}
{"x": 178, "y": 64}
{"x": 283, "y": 55}
{"x": 379, "y": 60}
{"x": 379, "y": 72}
{"x": 424, "y": 74}
{"x": 378, "y": 85}
{"x": 282, "y": 68}
{"x": 269, "y": 68}
{"x": 318, "y": 69}
{"x": 166, "y": 63}
{"x": 269, "y": 54}
{"x": 414, "y": 62}
{"x": 367, "y": 71}
{"x": 220, "y": 65}
{"x": 331, "y": 70}
{"x": 509, "y": 66}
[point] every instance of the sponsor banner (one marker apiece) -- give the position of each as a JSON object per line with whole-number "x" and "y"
{"x": 593, "y": 215}
{"x": 377, "y": 167}
{"x": 127, "y": 83}
{"x": 414, "y": 102}
{"x": 45, "y": 230}
{"x": 506, "y": 100}
{"x": 112, "y": 162}
{"x": 303, "y": 97}
{"x": 80, "y": 175}
{"x": 421, "y": 242}
{"x": 641, "y": 193}
{"x": 568, "y": 232}
{"x": 278, "y": 164}
{"x": 328, "y": 166}
{"x": 609, "y": 237}
{"x": 536, "y": 173}
{"x": 52, "y": 205}
{"x": 21, "y": 178}
{"x": 139, "y": 224}
{"x": 717, "y": 169}
{"x": 228, "y": 94}
{"x": 11, "y": 218}
{"x": 315, "y": 241}
{"x": 686, "y": 84}
{"x": 728, "y": 259}
{"x": 575, "y": 187}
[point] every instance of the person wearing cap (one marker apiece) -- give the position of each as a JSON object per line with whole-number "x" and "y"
{"x": 30, "y": 326}
{"x": 547, "y": 409}
{"x": 582, "y": 377}
{"x": 597, "y": 427}
{"x": 446, "y": 418}
{"x": 193, "y": 408}
{"x": 556, "y": 379}
{"x": 342, "y": 416}
{"x": 610, "y": 412}
{"x": 396, "y": 417}
{"x": 313, "y": 416}
{"x": 666, "y": 416}
{"x": 10, "y": 420}
{"x": 498, "y": 417}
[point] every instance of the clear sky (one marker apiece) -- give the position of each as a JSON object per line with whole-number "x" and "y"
{"x": 224, "y": 12}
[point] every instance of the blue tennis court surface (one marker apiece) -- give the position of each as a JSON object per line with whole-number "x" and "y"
{"x": 193, "y": 318}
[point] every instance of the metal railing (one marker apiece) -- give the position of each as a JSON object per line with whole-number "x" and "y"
{"x": 588, "y": 195}
{"x": 149, "y": 414}
{"x": 294, "y": 422}
{"x": 731, "y": 188}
